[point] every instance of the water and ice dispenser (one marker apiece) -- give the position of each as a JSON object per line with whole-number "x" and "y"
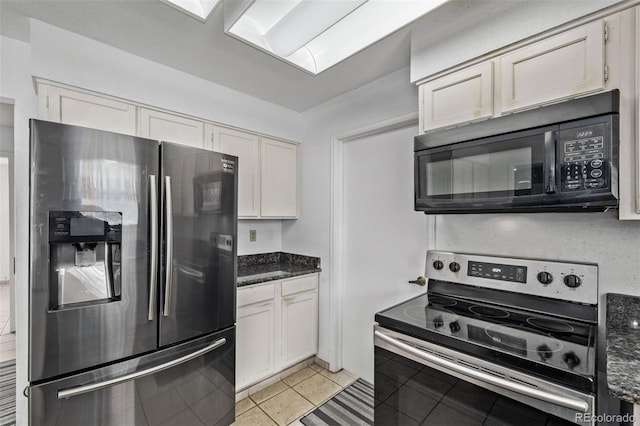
{"x": 85, "y": 258}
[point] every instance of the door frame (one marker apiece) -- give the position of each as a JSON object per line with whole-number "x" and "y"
{"x": 337, "y": 250}
{"x": 7, "y": 151}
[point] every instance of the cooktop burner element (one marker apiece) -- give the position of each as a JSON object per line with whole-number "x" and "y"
{"x": 486, "y": 311}
{"x": 551, "y": 324}
{"x": 417, "y": 314}
{"x": 442, "y": 301}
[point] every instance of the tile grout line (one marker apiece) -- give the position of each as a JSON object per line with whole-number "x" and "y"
{"x": 314, "y": 406}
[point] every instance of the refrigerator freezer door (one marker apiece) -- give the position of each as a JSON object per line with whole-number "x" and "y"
{"x": 198, "y": 289}
{"x": 89, "y": 255}
{"x": 169, "y": 386}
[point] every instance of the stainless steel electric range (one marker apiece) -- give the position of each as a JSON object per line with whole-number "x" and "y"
{"x": 494, "y": 341}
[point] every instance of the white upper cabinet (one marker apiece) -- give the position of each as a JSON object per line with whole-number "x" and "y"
{"x": 87, "y": 110}
{"x": 267, "y": 172}
{"x": 463, "y": 96}
{"x": 279, "y": 179}
{"x": 245, "y": 146}
{"x": 563, "y": 66}
{"x": 566, "y": 65}
{"x": 171, "y": 128}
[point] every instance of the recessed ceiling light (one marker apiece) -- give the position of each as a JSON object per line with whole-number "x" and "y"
{"x": 314, "y": 35}
{"x": 200, "y": 9}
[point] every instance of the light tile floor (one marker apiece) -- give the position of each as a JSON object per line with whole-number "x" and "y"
{"x": 7, "y": 339}
{"x": 286, "y": 401}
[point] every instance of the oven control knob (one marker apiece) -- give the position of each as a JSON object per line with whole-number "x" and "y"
{"x": 438, "y": 322}
{"x": 454, "y": 266}
{"x": 545, "y": 278}
{"x": 544, "y": 352}
{"x": 454, "y": 326}
{"x": 572, "y": 281}
{"x": 571, "y": 359}
{"x": 437, "y": 265}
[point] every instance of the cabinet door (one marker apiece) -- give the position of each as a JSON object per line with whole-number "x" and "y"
{"x": 255, "y": 343}
{"x": 279, "y": 192}
{"x": 171, "y": 128}
{"x": 567, "y": 65}
{"x": 81, "y": 109}
{"x": 245, "y": 146}
{"x": 299, "y": 323}
{"x": 463, "y": 96}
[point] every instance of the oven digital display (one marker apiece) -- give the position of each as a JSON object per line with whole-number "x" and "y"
{"x": 497, "y": 339}
{"x": 495, "y": 271}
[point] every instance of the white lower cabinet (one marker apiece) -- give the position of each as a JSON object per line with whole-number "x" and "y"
{"x": 299, "y": 319}
{"x": 277, "y": 327}
{"x": 255, "y": 342}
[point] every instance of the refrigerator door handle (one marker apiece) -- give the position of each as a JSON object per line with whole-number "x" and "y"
{"x": 79, "y": 390}
{"x": 153, "y": 272}
{"x": 168, "y": 284}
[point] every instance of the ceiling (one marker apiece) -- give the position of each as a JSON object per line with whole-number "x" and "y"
{"x": 156, "y": 31}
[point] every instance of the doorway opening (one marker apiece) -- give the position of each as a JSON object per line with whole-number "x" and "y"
{"x": 7, "y": 234}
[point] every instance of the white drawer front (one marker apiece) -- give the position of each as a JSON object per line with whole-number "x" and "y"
{"x": 299, "y": 284}
{"x": 255, "y": 294}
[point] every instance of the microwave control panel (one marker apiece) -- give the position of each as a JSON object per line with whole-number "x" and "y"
{"x": 584, "y": 156}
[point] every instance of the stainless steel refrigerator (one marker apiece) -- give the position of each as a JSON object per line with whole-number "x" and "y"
{"x": 132, "y": 281}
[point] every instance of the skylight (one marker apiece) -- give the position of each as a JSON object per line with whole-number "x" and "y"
{"x": 200, "y": 9}
{"x": 314, "y": 35}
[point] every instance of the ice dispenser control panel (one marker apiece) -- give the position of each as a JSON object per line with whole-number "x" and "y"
{"x": 83, "y": 227}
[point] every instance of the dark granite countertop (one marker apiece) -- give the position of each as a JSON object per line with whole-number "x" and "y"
{"x": 623, "y": 346}
{"x": 258, "y": 268}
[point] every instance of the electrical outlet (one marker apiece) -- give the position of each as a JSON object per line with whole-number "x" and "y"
{"x": 252, "y": 235}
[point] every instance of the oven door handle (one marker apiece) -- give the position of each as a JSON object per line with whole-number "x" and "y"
{"x": 571, "y": 403}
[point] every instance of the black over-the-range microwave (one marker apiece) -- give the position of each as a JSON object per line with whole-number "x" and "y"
{"x": 561, "y": 157}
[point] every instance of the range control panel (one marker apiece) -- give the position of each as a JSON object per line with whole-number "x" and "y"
{"x": 497, "y": 271}
{"x": 585, "y": 157}
{"x": 576, "y": 282}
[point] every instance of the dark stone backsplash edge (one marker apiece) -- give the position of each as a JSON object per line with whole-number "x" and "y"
{"x": 623, "y": 346}
{"x": 278, "y": 257}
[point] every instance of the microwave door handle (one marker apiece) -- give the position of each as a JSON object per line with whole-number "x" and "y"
{"x": 549, "y": 162}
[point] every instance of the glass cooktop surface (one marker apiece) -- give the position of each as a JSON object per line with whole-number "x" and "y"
{"x": 544, "y": 339}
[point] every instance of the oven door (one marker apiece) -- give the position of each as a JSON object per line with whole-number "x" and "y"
{"x": 512, "y": 171}
{"x": 417, "y": 382}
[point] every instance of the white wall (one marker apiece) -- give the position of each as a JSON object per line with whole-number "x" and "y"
{"x": 65, "y": 57}
{"x": 387, "y": 97}
{"x": 268, "y": 236}
{"x": 4, "y": 219}
{"x": 583, "y": 237}
{"x": 16, "y": 84}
